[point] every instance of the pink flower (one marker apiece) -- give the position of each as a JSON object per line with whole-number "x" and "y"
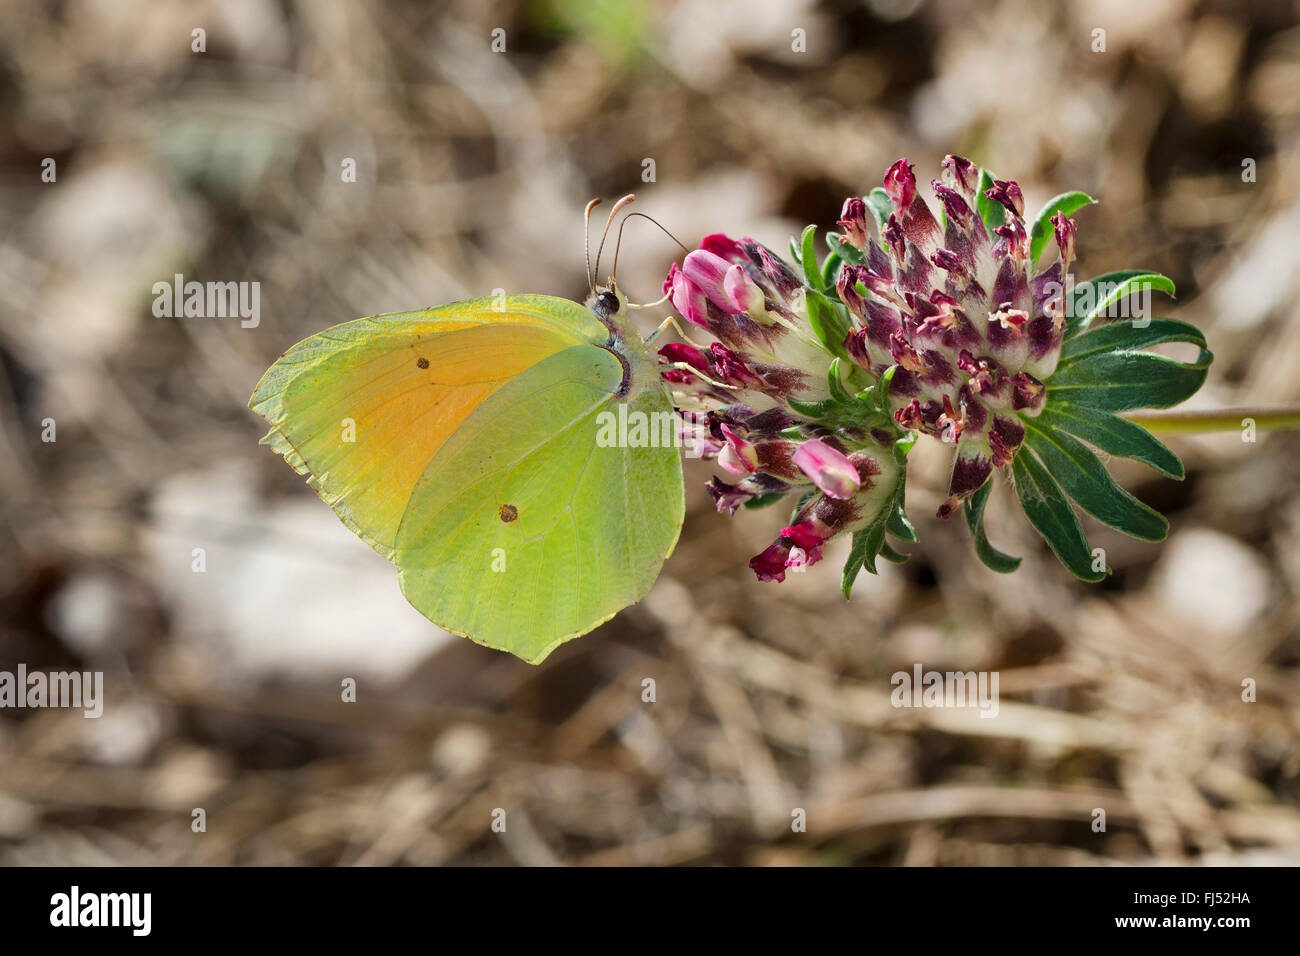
{"x": 697, "y": 437}
{"x": 770, "y": 564}
{"x": 687, "y": 297}
{"x": 799, "y": 559}
{"x": 742, "y": 291}
{"x": 828, "y": 469}
{"x": 738, "y": 456}
{"x": 708, "y": 270}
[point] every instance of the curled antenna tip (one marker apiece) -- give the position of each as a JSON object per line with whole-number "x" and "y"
{"x": 619, "y": 241}
{"x": 586, "y": 241}
{"x": 608, "y": 223}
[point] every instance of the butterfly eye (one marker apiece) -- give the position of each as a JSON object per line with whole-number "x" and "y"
{"x": 608, "y": 303}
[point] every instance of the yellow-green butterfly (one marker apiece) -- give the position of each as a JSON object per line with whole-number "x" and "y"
{"x": 461, "y": 443}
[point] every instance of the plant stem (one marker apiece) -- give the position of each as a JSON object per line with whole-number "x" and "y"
{"x": 1217, "y": 419}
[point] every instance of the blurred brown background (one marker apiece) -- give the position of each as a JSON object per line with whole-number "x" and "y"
{"x": 472, "y": 166}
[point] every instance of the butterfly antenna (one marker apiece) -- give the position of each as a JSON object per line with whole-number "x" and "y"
{"x": 610, "y": 222}
{"x": 619, "y": 242}
{"x": 586, "y": 241}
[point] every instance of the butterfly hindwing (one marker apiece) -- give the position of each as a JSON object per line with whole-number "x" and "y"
{"x": 526, "y": 530}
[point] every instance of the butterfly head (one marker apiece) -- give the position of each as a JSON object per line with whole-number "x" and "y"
{"x": 606, "y": 301}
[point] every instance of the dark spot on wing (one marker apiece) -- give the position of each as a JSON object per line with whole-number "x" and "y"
{"x": 422, "y": 362}
{"x": 508, "y": 513}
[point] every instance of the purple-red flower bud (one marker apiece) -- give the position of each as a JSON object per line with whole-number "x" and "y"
{"x": 1016, "y": 239}
{"x": 853, "y": 220}
{"x": 730, "y": 367}
{"x": 961, "y": 174}
{"x": 949, "y": 262}
{"x": 900, "y": 184}
{"x": 953, "y": 204}
{"x": 1066, "y": 231}
{"x": 727, "y": 497}
{"x": 675, "y": 352}
{"x": 1007, "y": 192}
{"x": 1027, "y": 391}
{"x": 895, "y": 241}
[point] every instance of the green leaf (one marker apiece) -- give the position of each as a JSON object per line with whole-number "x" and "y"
{"x": 991, "y": 556}
{"x": 808, "y": 258}
{"x": 1050, "y": 513}
{"x": 904, "y": 445}
{"x": 1122, "y": 381}
{"x": 831, "y": 273}
{"x": 853, "y": 563}
{"x": 881, "y": 396}
{"x": 836, "y": 385}
{"x": 1091, "y": 299}
{"x": 875, "y": 541}
{"x": 900, "y": 526}
{"x": 1087, "y": 481}
{"x": 1126, "y": 336}
{"x": 881, "y": 206}
{"x": 845, "y": 251}
{"x": 813, "y": 410}
{"x": 990, "y": 210}
{"x": 889, "y": 554}
{"x": 828, "y": 323}
{"x": 1065, "y": 203}
{"x": 763, "y": 501}
{"x": 869, "y": 542}
{"x": 866, "y": 547}
{"x": 1113, "y": 435}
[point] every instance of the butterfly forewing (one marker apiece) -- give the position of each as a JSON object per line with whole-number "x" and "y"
{"x": 361, "y": 408}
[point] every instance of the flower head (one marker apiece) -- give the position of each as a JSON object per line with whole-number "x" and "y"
{"x": 820, "y": 375}
{"x": 959, "y": 309}
{"x": 758, "y": 386}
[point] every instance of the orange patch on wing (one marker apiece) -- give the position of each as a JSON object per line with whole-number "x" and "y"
{"x": 368, "y": 419}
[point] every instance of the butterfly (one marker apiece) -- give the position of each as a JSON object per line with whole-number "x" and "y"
{"x": 463, "y": 444}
